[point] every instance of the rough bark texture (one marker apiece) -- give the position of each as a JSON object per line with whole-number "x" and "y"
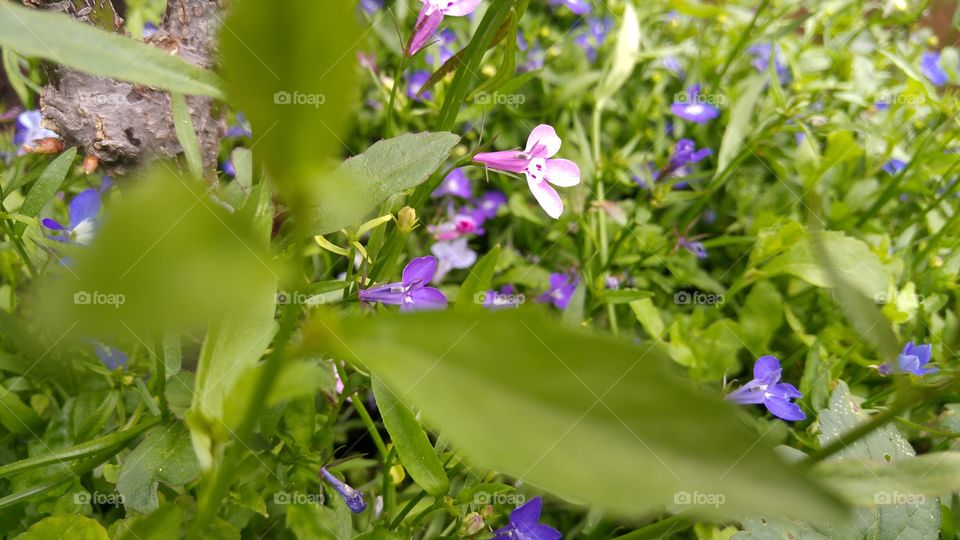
{"x": 123, "y": 124}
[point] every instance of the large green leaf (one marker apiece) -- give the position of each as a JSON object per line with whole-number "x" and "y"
{"x": 387, "y": 167}
{"x": 740, "y": 116}
{"x": 583, "y": 415}
{"x": 161, "y": 524}
{"x": 865, "y": 482}
{"x": 291, "y": 67}
{"x": 65, "y": 526}
{"x": 46, "y": 186}
{"x": 165, "y": 456}
{"x": 58, "y": 38}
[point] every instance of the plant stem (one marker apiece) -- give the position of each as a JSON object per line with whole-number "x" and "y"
{"x": 371, "y": 426}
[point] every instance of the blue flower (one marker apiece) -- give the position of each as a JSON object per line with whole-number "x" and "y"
{"x": 371, "y": 6}
{"x": 536, "y": 56}
{"x": 110, "y": 356}
{"x": 415, "y": 82}
{"x": 594, "y": 36}
{"x": 452, "y": 254}
{"x": 913, "y": 359}
{"x": 412, "y": 292}
{"x": 579, "y": 7}
{"x": 697, "y": 248}
{"x": 240, "y": 129}
{"x": 560, "y": 291}
{"x": 767, "y": 389}
{"x": 28, "y": 130}
{"x": 672, "y": 64}
{"x": 525, "y": 524}
{"x": 930, "y": 67}
{"x": 488, "y": 204}
{"x": 693, "y": 108}
{"x": 761, "y": 60}
{"x": 445, "y": 39}
{"x": 894, "y": 166}
{"x": 352, "y": 497}
{"x": 83, "y": 210}
{"x": 684, "y": 153}
{"x": 456, "y": 184}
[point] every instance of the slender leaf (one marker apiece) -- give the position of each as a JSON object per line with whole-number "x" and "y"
{"x": 46, "y": 186}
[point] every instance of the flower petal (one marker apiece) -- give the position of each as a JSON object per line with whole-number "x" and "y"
{"x": 784, "y": 390}
{"x": 766, "y": 367}
{"x": 391, "y": 293}
{"x": 420, "y": 270}
{"x": 545, "y": 136}
{"x": 424, "y": 298}
{"x": 85, "y": 206}
{"x": 784, "y": 409}
{"x": 529, "y": 512}
{"x": 562, "y": 172}
{"x": 426, "y": 26}
{"x": 459, "y": 8}
{"x": 507, "y": 160}
{"x": 53, "y": 224}
{"x": 751, "y": 393}
{"x": 547, "y": 197}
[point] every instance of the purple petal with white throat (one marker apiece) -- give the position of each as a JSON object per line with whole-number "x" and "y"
{"x": 562, "y": 172}
{"x": 420, "y": 270}
{"x": 545, "y": 137}
{"x": 547, "y": 197}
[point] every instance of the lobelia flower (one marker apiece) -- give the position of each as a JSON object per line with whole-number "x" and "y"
{"x": 930, "y": 67}
{"x": 913, "y": 359}
{"x": 594, "y": 36}
{"x": 352, "y": 497}
{"x": 461, "y": 224}
{"x": 766, "y": 389}
{"x": 415, "y": 82}
{"x": 240, "y": 129}
{"x": 28, "y": 131}
{"x": 672, "y": 64}
{"x": 455, "y": 184}
{"x": 691, "y": 108}
{"x": 578, "y": 7}
{"x": 525, "y": 524}
{"x": 431, "y": 14}
{"x": 684, "y": 153}
{"x": 536, "y": 56}
{"x": 452, "y": 254}
{"x": 894, "y": 166}
{"x": 445, "y": 39}
{"x": 560, "y": 291}
{"x": 535, "y": 164}
{"x": 412, "y": 292}
{"x": 110, "y": 356}
{"x": 487, "y": 205}
{"x": 691, "y": 243}
{"x": 761, "y": 60}
{"x": 83, "y": 210}
{"x": 371, "y": 6}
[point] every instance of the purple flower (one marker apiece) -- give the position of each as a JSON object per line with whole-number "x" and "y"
{"x": 697, "y": 248}
{"x": 930, "y": 67}
{"x": 110, "y": 356}
{"x": 452, "y": 254}
{"x": 894, "y": 166}
{"x": 594, "y": 36}
{"x": 415, "y": 82}
{"x": 672, "y": 64}
{"x": 578, "y": 7}
{"x": 767, "y": 389}
{"x": 914, "y": 359}
{"x": 542, "y": 144}
{"x": 371, "y": 6}
{"x": 456, "y": 184}
{"x": 227, "y": 167}
{"x": 461, "y": 224}
{"x": 506, "y": 297}
{"x": 684, "y": 153}
{"x": 352, "y": 497}
{"x": 28, "y": 130}
{"x": 487, "y": 205}
{"x": 431, "y": 14}
{"x": 412, "y": 292}
{"x": 761, "y": 60}
{"x": 83, "y": 210}
{"x": 149, "y": 29}
{"x": 446, "y": 38}
{"x": 536, "y": 56}
{"x": 693, "y": 108}
{"x": 561, "y": 290}
{"x": 525, "y": 524}
{"x": 240, "y": 129}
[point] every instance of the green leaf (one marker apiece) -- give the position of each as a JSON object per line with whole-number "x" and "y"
{"x": 291, "y": 68}
{"x": 865, "y": 482}
{"x": 761, "y": 316}
{"x": 525, "y": 395}
{"x": 46, "y": 186}
{"x": 740, "y": 117}
{"x": 98, "y": 52}
{"x": 648, "y": 317}
{"x": 478, "y": 282}
{"x": 624, "y": 54}
{"x": 161, "y": 524}
{"x": 15, "y": 416}
{"x": 165, "y": 455}
{"x": 364, "y": 181}
{"x": 183, "y": 125}
{"x": 65, "y": 526}
{"x": 416, "y": 453}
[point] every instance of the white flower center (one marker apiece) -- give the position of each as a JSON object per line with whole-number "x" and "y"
{"x": 83, "y": 232}
{"x": 537, "y": 168}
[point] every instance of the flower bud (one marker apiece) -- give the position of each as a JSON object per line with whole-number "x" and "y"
{"x": 406, "y": 219}
{"x": 471, "y": 525}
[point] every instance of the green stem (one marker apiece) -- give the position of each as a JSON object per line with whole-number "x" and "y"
{"x": 55, "y": 482}
{"x": 744, "y": 36}
{"x": 388, "y": 124}
{"x": 371, "y": 425}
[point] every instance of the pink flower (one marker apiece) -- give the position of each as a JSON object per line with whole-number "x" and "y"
{"x": 430, "y": 16}
{"x": 541, "y": 171}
